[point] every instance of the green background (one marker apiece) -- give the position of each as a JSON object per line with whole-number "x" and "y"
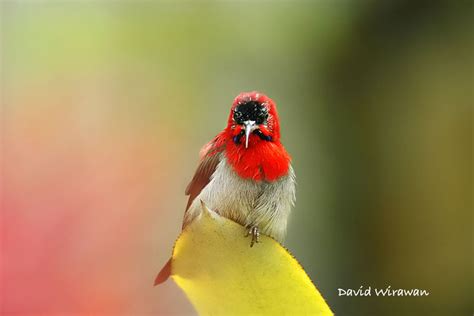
{"x": 375, "y": 99}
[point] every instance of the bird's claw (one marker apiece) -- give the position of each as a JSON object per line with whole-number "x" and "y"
{"x": 255, "y": 232}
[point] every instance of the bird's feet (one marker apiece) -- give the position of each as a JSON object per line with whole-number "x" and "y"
{"x": 255, "y": 233}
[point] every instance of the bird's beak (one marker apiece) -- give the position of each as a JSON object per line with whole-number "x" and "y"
{"x": 249, "y": 128}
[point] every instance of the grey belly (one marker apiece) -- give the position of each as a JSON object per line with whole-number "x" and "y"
{"x": 248, "y": 202}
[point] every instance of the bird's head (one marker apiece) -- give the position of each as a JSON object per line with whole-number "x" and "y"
{"x": 253, "y": 118}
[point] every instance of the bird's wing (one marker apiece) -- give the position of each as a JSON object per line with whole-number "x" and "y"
{"x": 210, "y": 157}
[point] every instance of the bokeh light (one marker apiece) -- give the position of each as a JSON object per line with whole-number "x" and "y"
{"x": 105, "y": 105}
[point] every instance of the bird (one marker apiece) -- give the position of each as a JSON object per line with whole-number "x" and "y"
{"x": 245, "y": 173}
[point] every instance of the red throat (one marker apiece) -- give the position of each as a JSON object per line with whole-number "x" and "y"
{"x": 262, "y": 160}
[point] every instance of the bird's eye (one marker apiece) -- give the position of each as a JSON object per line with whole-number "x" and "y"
{"x": 262, "y": 116}
{"x": 237, "y": 116}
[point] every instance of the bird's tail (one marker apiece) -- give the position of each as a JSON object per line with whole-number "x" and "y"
{"x": 164, "y": 273}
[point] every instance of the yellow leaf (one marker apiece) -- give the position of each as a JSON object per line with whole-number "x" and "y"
{"x": 221, "y": 274}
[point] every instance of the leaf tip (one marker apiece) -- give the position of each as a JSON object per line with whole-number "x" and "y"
{"x": 164, "y": 274}
{"x": 208, "y": 212}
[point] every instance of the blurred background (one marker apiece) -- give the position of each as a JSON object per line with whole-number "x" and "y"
{"x": 105, "y": 105}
